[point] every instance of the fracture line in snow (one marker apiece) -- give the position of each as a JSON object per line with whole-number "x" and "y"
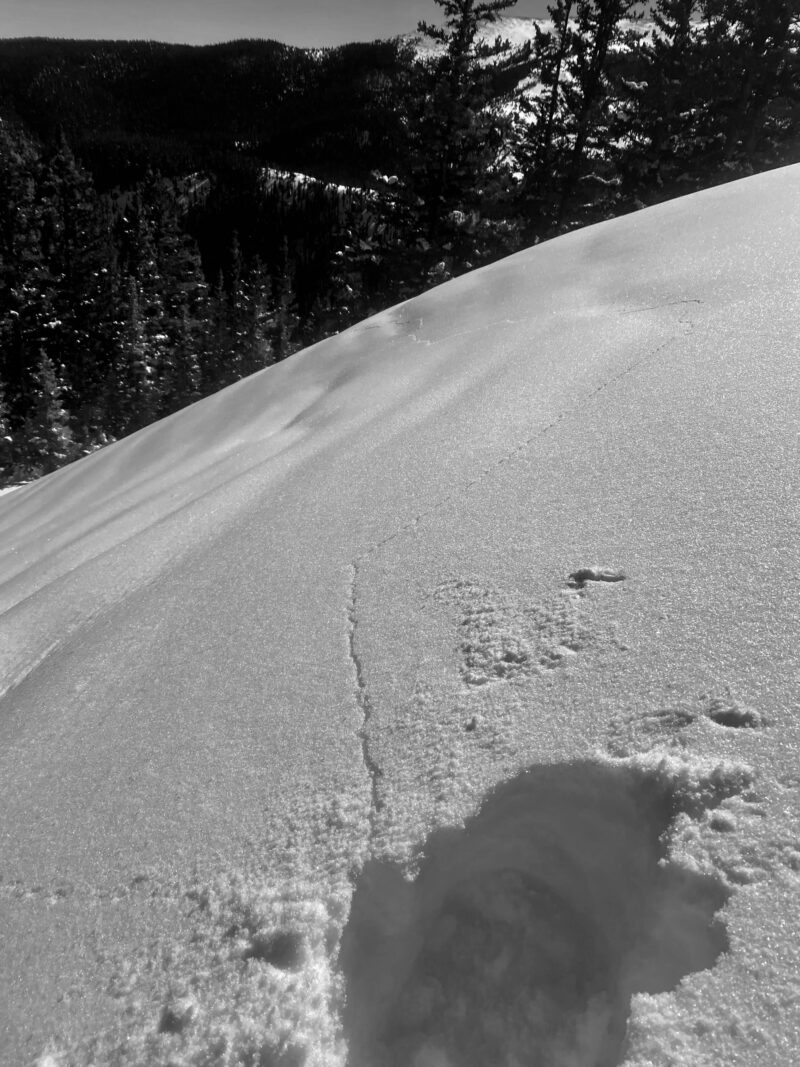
{"x": 362, "y": 697}
{"x": 415, "y": 520}
{"x": 657, "y": 307}
{"x": 362, "y": 694}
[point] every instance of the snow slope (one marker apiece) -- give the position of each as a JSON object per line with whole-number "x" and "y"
{"x": 433, "y": 693}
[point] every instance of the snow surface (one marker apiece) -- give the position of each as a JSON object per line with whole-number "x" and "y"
{"x": 433, "y": 693}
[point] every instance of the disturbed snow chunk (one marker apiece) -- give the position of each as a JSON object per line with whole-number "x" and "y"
{"x": 177, "y": 1015}
{"x": 505, "y": 638}
{"x": 725, "y": 711}
{"x": 282, "y": 949}
{"x": 642, "y": 731}
{"x": 526, "y": 933}
{"x": 579, "y": 578}
{"x": 665, "y": 727}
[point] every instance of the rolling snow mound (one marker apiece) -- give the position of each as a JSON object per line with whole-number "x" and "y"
{"x": 429, "y": 699}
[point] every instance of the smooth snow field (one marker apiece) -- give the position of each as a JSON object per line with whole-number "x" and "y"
{"x": 430, "y": 699}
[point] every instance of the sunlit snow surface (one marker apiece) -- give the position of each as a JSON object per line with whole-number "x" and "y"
{"x": 432, "y": 695}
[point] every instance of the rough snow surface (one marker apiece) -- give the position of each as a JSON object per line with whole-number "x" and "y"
{"x": 524, "y": 935}
{"x": 430, "y": 699}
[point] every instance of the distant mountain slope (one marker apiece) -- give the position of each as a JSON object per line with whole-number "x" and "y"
{"x": 146, "y": 83}
{"x": 161, "y": 103}
{"x": 524, "y": 546}
{"x": 519, "y": 32}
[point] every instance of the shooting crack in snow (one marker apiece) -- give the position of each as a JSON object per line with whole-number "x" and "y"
{"x": 363, "y": 699}
{"x": 415, "y": 520}
{"x": 362, "y": 696}
{"x": 657, "y": 307}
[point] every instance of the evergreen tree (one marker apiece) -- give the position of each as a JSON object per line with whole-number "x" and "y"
{"x": 544, "y": 157}
{"x": 750, "y": 63}
{"x": 6, "y": 442}
{"x": 182, "y": 379}
{"x": 236, "y": 323}
{"x": 217, "y": 341}
{"x": 46, "y": 436}
{"x": 159, "y": 349}
{"x": 133, "y": 385}
{"x": 68, "y": 208}
{"x": 456, "y": 130}
{"x": 27, "y": 315}
{"x": 250, "y": 318}
{"x": 660, "y": 104}
{"x": 259, "y": 320}
{"x": 77, "y": 248}
{"x": 99, "y": 323}
{"x": 715, "y": 94}
{"x": 20, "y": 222}
{"x": 588, "y": 92}
{"x": 285, "y": 319}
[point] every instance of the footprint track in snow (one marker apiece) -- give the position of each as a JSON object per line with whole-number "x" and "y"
{"x": 734, "y": 839}
{"x": 504, "y": 638}
{"x": 667, "y": 726}
{"x": 643, "y": 731}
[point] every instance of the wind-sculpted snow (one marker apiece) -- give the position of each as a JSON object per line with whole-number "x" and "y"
{"x": 431, "y": 695}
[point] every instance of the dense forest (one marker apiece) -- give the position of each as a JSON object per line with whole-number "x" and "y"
{"x": 173, "y": 218}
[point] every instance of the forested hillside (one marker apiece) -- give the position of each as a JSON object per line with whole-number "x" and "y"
{"x": 156, "y": 242}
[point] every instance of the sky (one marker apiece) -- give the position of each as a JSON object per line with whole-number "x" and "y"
{"x": 301, "y": 22}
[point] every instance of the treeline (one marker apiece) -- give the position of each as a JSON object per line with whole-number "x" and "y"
{"x": 631, "y": 115}
{"x": 107, "y": 321}
{"x": 129, "y": 106}
{"x": 149, "y": 257}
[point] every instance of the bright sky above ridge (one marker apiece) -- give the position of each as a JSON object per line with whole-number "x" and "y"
{"x": 301, "y": 22}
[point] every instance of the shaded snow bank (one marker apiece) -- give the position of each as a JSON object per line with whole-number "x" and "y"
{"x": 526, "y": 933}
